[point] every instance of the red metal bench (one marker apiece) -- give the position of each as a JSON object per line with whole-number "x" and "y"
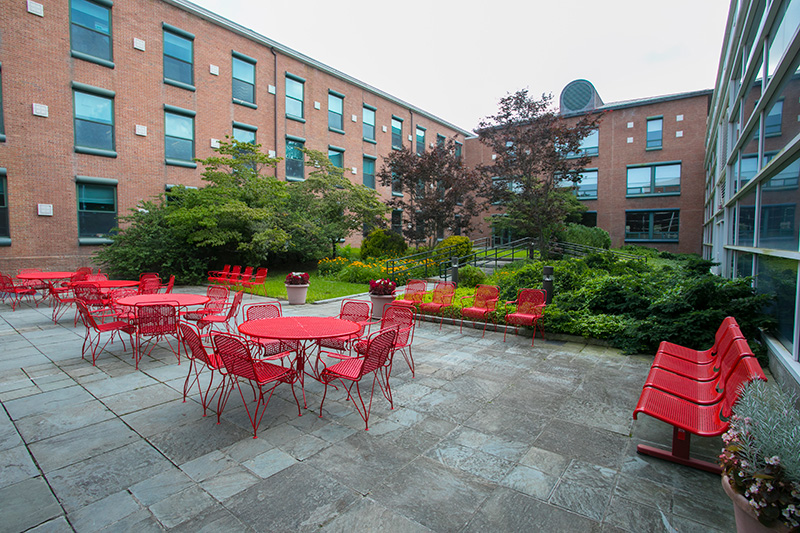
{"x": 688, "y": 417}
{"x": 700, "y": 371}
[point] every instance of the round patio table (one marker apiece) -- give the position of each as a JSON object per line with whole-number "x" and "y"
{"x": 183, "y": 300}
{"x": 302, "y": 329}
{"x": 45, "y": 276}
{"x": 115, "y": 283}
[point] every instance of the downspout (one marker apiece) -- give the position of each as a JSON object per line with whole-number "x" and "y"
{"x": 275, "y": 112}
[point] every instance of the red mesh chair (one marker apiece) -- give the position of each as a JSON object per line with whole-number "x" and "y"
{"x": 214, "y": 274}
{"x": 94, "y": 330}
{"x": 170, "y": 285}
{"x": 257, "y": 280}
{"x": 155, "y": 322}
{"x": 61, "y": 299}
{"x": 443, "y": 294}
{"x": 416, "y": 289}
{"x": 90, "y": 294}
{"x": 149, "y": 283}
{"x": 200, "y": 357}
{"x": 35, "y": 284}
{"x": 96, "y": 277}
{"x": 123, "y": 312}
{"x": 270, "y": 349}
{"x": 484, "y": 303}
{"x": 13, "y": 292}
{"x": 84, "y": 270}
{"x": 230, "y": 277}
{"x": 358, "y": 311}
{"x": 209, "y": 321}
{"x": 240, "y": 365}
{"x": 400, "y": 318}
{"x": 246, "y": 275}
{"x": 378, "y": 350}
{"x": 530, "y": 304}
{"x": 217, "y": 300}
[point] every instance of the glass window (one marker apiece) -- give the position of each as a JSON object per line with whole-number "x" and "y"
{"x": 459, "y": 146}
{"x": 777, "y": 276}
{"x": 772, "y": 122}
{"x": 779, "y": 198}
{"x": 397, "y": 133}
{"x": 420, "y": 140}
{"x": 746, "y": 220}
{"x": 587, "y": 186}
{"x": 654, "y": 179}
{"x": 590, "y": 143}
{"x": 368, "y": 123}
{"x": 178, "y": 137}
{"x": 397, "y": 221}
{"x": 244, "y": 81}
{"x": 336, "y": 156}
{"x": 440, "y": 140}
{"x": 178, "y": 58}
{"x": 335, "y": 109}
{"x": 244, "y": 135}
{"x": 94, "y": 121}
{"x": 369, "y": 172}
{"x": 397, "y": 187}
{"x": 90, "y": 29}
{"x": 780, "y": 37}
{"x": 4, "y": 227}
{"x": 652, "y": 225}
{"x": 655, "y": 132}
{"x": 294, "y": 97}
{"x": 295, "y": 165}
{"x": 97, "y": 209}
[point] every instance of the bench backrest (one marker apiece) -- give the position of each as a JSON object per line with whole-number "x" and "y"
{"x": 746, "y": 370}
{"x": 729, "y": 338}
{"x": 725, "y": 330}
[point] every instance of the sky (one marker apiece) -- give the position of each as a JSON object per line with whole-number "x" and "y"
{"x": 457, "y": 59}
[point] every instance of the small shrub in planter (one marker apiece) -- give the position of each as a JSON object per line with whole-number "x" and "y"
{"x": 470, "y": 276}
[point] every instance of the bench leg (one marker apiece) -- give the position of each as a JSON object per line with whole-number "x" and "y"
{"x": 681, "y": 440}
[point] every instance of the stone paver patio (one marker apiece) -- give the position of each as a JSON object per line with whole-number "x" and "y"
{"x": 489, "y": 436}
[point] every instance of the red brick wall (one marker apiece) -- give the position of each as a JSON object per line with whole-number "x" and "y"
{"x": 38, "y": 153}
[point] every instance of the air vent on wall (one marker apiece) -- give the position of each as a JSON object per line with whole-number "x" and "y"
{"x": 579, "y": 96}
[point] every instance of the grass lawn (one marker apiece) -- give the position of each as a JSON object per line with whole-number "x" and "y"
{"x": 319, "y": 288}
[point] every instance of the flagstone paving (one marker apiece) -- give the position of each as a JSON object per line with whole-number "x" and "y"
{"x": 489, "y": 436}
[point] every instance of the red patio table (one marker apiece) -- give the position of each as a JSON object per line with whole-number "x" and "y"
{"x": 115, "y": 283}
{"x": 45, "y": 276}
{"x": 184, "y": 300}
{"x": 306, "y": 330}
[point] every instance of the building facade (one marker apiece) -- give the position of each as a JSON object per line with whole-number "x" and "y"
{"x": 104, "y": 104}
{"x": 753, "y": 165}
{"x": 644, "y": 184}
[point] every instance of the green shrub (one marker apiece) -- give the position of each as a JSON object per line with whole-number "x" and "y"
{"x": 381, "y": 243}
{"x": 470, "y": 276}
{"x": 463, "y": 246}
{"x": 580, "y": 234}
{"x": 358, "y": 272}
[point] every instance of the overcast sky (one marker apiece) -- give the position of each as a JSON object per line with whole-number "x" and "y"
{"x": 456, "y": 59}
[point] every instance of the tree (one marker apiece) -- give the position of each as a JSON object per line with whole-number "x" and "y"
{"x": 433, "y": 185}
{"x": 239, "y": 216}
{"x": 328, "y": 207}
{"x": 538, "y": 162}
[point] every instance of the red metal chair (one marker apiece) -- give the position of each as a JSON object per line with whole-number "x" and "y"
{"x": 94, "y": 330}
{"x": 123, "y": 312}
{"x": 96, "y": 277}
{"x": 35, "y": 284}
{"x": 8, "y": 290}
{"x": 400, "y": 318}
{"x": 227, "y": 278}
{"x": 214, "y": 274}
{"x": 170, "y": 285}
{"x": 484, "y": 303}
{"x": 217, "y": 300}
{"x": 256, "y": 281}
{"x": 270, "y": 349}
{"x": 149, "y": 283}
{"x": 240, "y": 365}
{"x": 155, "y": 322}
{"x": 90, "y": 294}
{"x": 530, "y": 304}
{"x": 358, "y": 311}
{"x": 416, "y": 289}
{"x": 61, "y": 299}
{"x": 443, "y": 294}
{"x": 377, "y": 352}
{"x": 200, "y": 357}
{"x": 246, "y": 275}
{"x": 208, "y": 321}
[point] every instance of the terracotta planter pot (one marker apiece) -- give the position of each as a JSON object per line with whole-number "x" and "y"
{"x": 379, "y": 301}
{"x": 296, "y": 294}
{"x": 746, "y": 521}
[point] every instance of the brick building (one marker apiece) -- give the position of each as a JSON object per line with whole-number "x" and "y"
{"x": 104, "y": 104}
{"x": 644, "y": 184}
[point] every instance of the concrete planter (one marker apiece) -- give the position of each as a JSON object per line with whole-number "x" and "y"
{"x": 379, "y": 301}
{"x": 296, "y": 294}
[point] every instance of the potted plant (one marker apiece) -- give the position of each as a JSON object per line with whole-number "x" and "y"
{"x": 381, "y": 292}
{"x": 297, "y": 287}
{"x": 761, "y": 460}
